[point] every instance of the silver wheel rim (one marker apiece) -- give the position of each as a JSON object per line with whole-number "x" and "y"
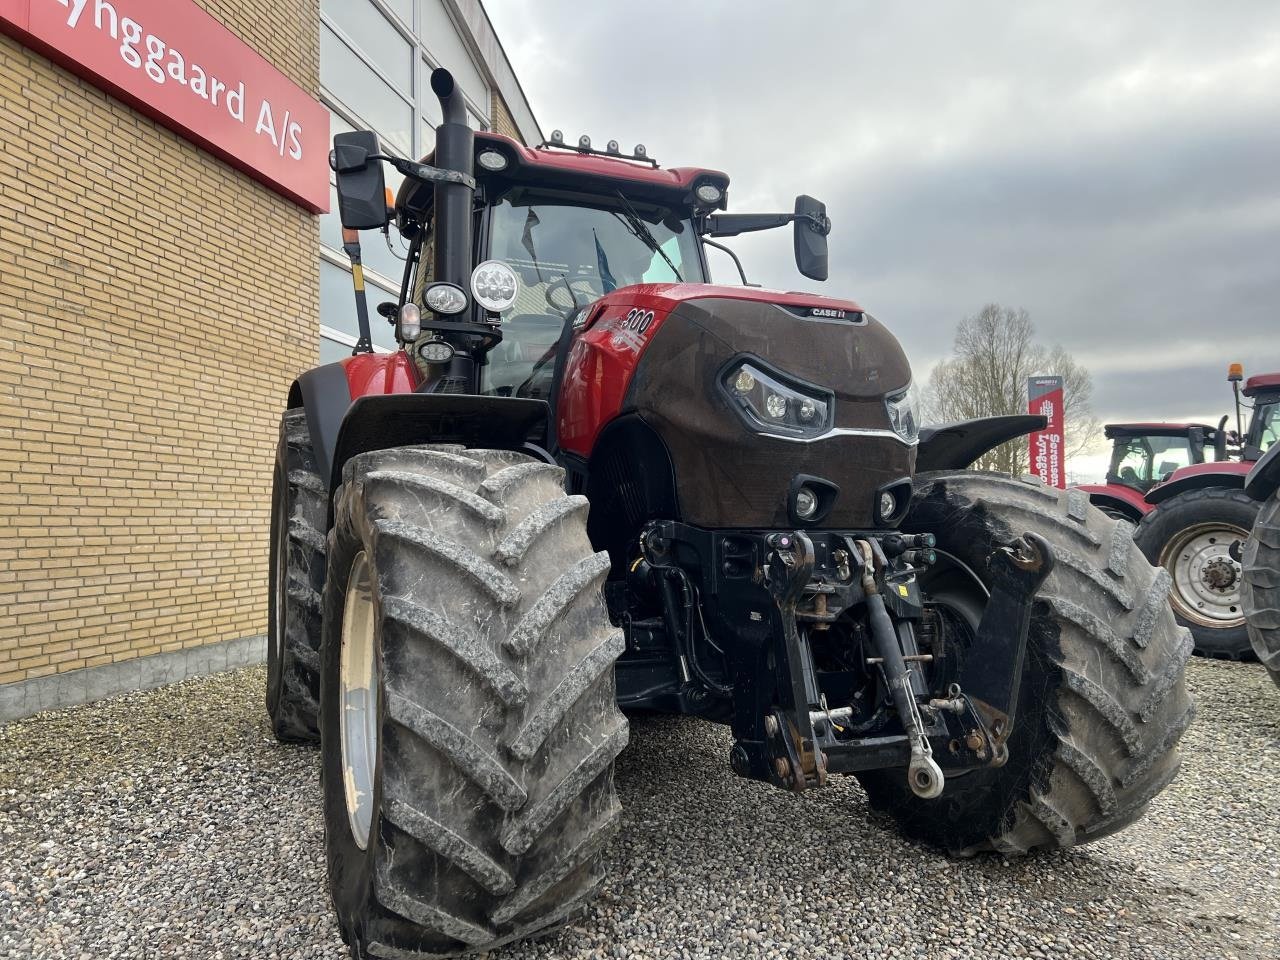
{"x": 280, "y": 586}
{"x": 358, "y": 685}
{"x": 1206, "y": 579}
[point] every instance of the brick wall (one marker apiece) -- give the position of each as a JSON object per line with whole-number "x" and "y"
{"x": 154, "y": 304}
{"x": 501, "y": 120}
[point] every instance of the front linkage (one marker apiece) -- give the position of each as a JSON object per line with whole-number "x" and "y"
{"x": 794, "y": 587}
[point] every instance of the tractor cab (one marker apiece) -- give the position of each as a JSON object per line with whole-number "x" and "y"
{"x": 1144, "y": 454}
{"x": 1264, "y": 425}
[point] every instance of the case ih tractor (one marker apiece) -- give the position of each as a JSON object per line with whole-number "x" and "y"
{"x": 1261, "y": 587}
{"x": 1144, "y": 454}
{"x": 1198, "y": 519}
{"x": 593, "y": 483}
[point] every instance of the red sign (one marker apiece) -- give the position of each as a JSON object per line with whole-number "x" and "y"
{"x": 172, "y": 61}
{"x": 1048, "y": 453}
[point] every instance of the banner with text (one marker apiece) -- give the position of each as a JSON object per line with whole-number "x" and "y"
{"x": 180, "y": 66}
{"x": 1048, "y": 454}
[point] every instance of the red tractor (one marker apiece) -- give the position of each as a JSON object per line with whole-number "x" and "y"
{"x": 592, "y": 483}
{"x": 1198, "y": 518}
{"x": 1144, "y": 455}
{"x": 1261, "y": 593}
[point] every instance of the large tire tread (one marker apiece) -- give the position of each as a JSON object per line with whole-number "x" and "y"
{"x": 500, "y": 723}
{"x": 294, "y": 703}
{"x": 1261, "y": 593}
{"x": 1103, "y": 702}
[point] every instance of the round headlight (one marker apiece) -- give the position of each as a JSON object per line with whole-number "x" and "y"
{"x": 744, "y": 382}
{"x": 445, "y": 298}
{"x": 557, "y": 136}
{"x": 708, "y": 193}
{"x": 775, "y": 405}
{"x": 888, "y": 504}
{"x": 409, "y": 322}
{"x": 806, "y": 503}
{"x": 494, "y": 285}
{"x": 435, "y": 351}
{"x": 492, "y": 160}
{"x": 808, "y": 410}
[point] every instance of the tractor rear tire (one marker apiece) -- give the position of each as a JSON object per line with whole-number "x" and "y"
{"x": 299, "y": 513}
{"x": 1261, "y": 592}
{"x": 1188, "y": 535}
{"x": 468, "y": 710}
{"x": 1102, "y": 702}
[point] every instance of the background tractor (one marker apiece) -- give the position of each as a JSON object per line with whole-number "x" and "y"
{"x": 1199, "y": 517}
{"x": 591, "y": 483}
{"x": 1143, "y": 455}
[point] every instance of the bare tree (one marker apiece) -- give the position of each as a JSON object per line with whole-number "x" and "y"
{"x": 993, "y": 356}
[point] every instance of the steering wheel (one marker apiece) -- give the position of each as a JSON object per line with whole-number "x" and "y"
{"x": 572, "y": 301}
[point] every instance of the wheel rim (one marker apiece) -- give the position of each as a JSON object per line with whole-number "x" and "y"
{"x": 280, "y": 575}
{"x": 358, "y": 685}
{"x": 1206, "y": 578}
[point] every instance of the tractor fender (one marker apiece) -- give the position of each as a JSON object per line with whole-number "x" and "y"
{"x": 324, "y": 394}
{"x": 1264, "y": 478}
{"x": 1116, "y": 499}
{"x": 1228, "y": 475}
{"x": 954, "y": 446}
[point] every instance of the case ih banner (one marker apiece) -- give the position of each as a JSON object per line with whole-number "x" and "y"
{"x": 175, "y": 63}
{"x": 1048, "y": 454}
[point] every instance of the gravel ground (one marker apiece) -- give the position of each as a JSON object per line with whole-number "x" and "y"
{"x": 169, "y": 823}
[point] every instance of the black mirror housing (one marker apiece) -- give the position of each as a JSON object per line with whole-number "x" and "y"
{"x": 362, "y": 191}
{"x": 811, "y": 228}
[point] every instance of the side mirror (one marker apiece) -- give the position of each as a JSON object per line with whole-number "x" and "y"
{"x": 811, "y": 229}
{"x": 362, "y": 192}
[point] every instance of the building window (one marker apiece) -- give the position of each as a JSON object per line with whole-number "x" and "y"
{"x": 376, "y": 58}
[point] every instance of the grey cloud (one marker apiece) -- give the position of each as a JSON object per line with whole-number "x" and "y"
{"x": 1111, "y": 168}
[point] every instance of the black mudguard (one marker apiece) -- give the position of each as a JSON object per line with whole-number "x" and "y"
{"x": 340, "y": 428}
{"x": 954, "y": 446}
{"x": 1264, "y": 478}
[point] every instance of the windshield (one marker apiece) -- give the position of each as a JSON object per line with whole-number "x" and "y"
{"x": 1266, "y": 424}
{"x": 566, "y": 254}
{"x": 1142, "y": 462}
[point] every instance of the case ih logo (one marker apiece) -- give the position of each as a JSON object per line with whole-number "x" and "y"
{"x": 171, "y": 60}
{"x": 827, "y": 312}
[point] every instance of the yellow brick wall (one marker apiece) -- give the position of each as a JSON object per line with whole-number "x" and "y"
{"x": 501, "y": 120}
{"x": 154, "y": 305}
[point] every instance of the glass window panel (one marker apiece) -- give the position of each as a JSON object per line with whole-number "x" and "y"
{"x": 331, "y": 351}
{"x": 403, "y": 8}
{"x": 443, "y": 39}
{"x": 338, "y": 306}
{"x": 377, "y": 39}
{"x": 352, "y": 82}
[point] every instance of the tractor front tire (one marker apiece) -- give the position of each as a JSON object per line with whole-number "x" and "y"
{"x": 1102, "y": 702}
{"x": 1261, "y": 592}
{"x": 1191, "y": 536}
{"x": 468, "y": 710}
{"x": 299, "y": 512}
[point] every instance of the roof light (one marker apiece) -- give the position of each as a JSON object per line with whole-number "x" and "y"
{"x": 584, "y": 142}
{"x": 1235, "y": 372}
{"x": 612, "y": 147}
{"x": 557, "y": 136}
{"x": 708, "y": 193}
{"x": 640, "y": 151}
{"x": 492, "y": 160}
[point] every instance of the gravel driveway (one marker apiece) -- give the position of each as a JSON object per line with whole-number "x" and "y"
{"x": 169, "y": 823}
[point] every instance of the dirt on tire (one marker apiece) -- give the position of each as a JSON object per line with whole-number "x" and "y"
{"x": 299, "y": 515}
{"x": 1102, "y": 703}
{"x": 498, "y": 729}
{"x": 1261, "y": 593}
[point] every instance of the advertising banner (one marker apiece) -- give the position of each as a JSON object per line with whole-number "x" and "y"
{"x": 1048, "y": 453}
{"x": 177, "y": 64}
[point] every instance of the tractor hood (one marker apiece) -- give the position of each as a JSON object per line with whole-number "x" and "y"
{"x": 674, "y": 351}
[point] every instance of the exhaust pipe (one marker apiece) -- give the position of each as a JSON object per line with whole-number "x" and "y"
{"x": 455, "y": 150}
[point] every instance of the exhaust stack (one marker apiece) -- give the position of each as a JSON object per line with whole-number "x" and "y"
{"x": 455, "y": 150}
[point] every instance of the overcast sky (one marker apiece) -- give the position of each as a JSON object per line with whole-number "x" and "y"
{"x": 1113, "y": 168}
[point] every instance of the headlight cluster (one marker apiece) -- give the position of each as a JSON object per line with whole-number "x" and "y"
{"x": 773, "y": 406}
{"x": 903, "y": 416}
{"x": 494, "y": 285}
